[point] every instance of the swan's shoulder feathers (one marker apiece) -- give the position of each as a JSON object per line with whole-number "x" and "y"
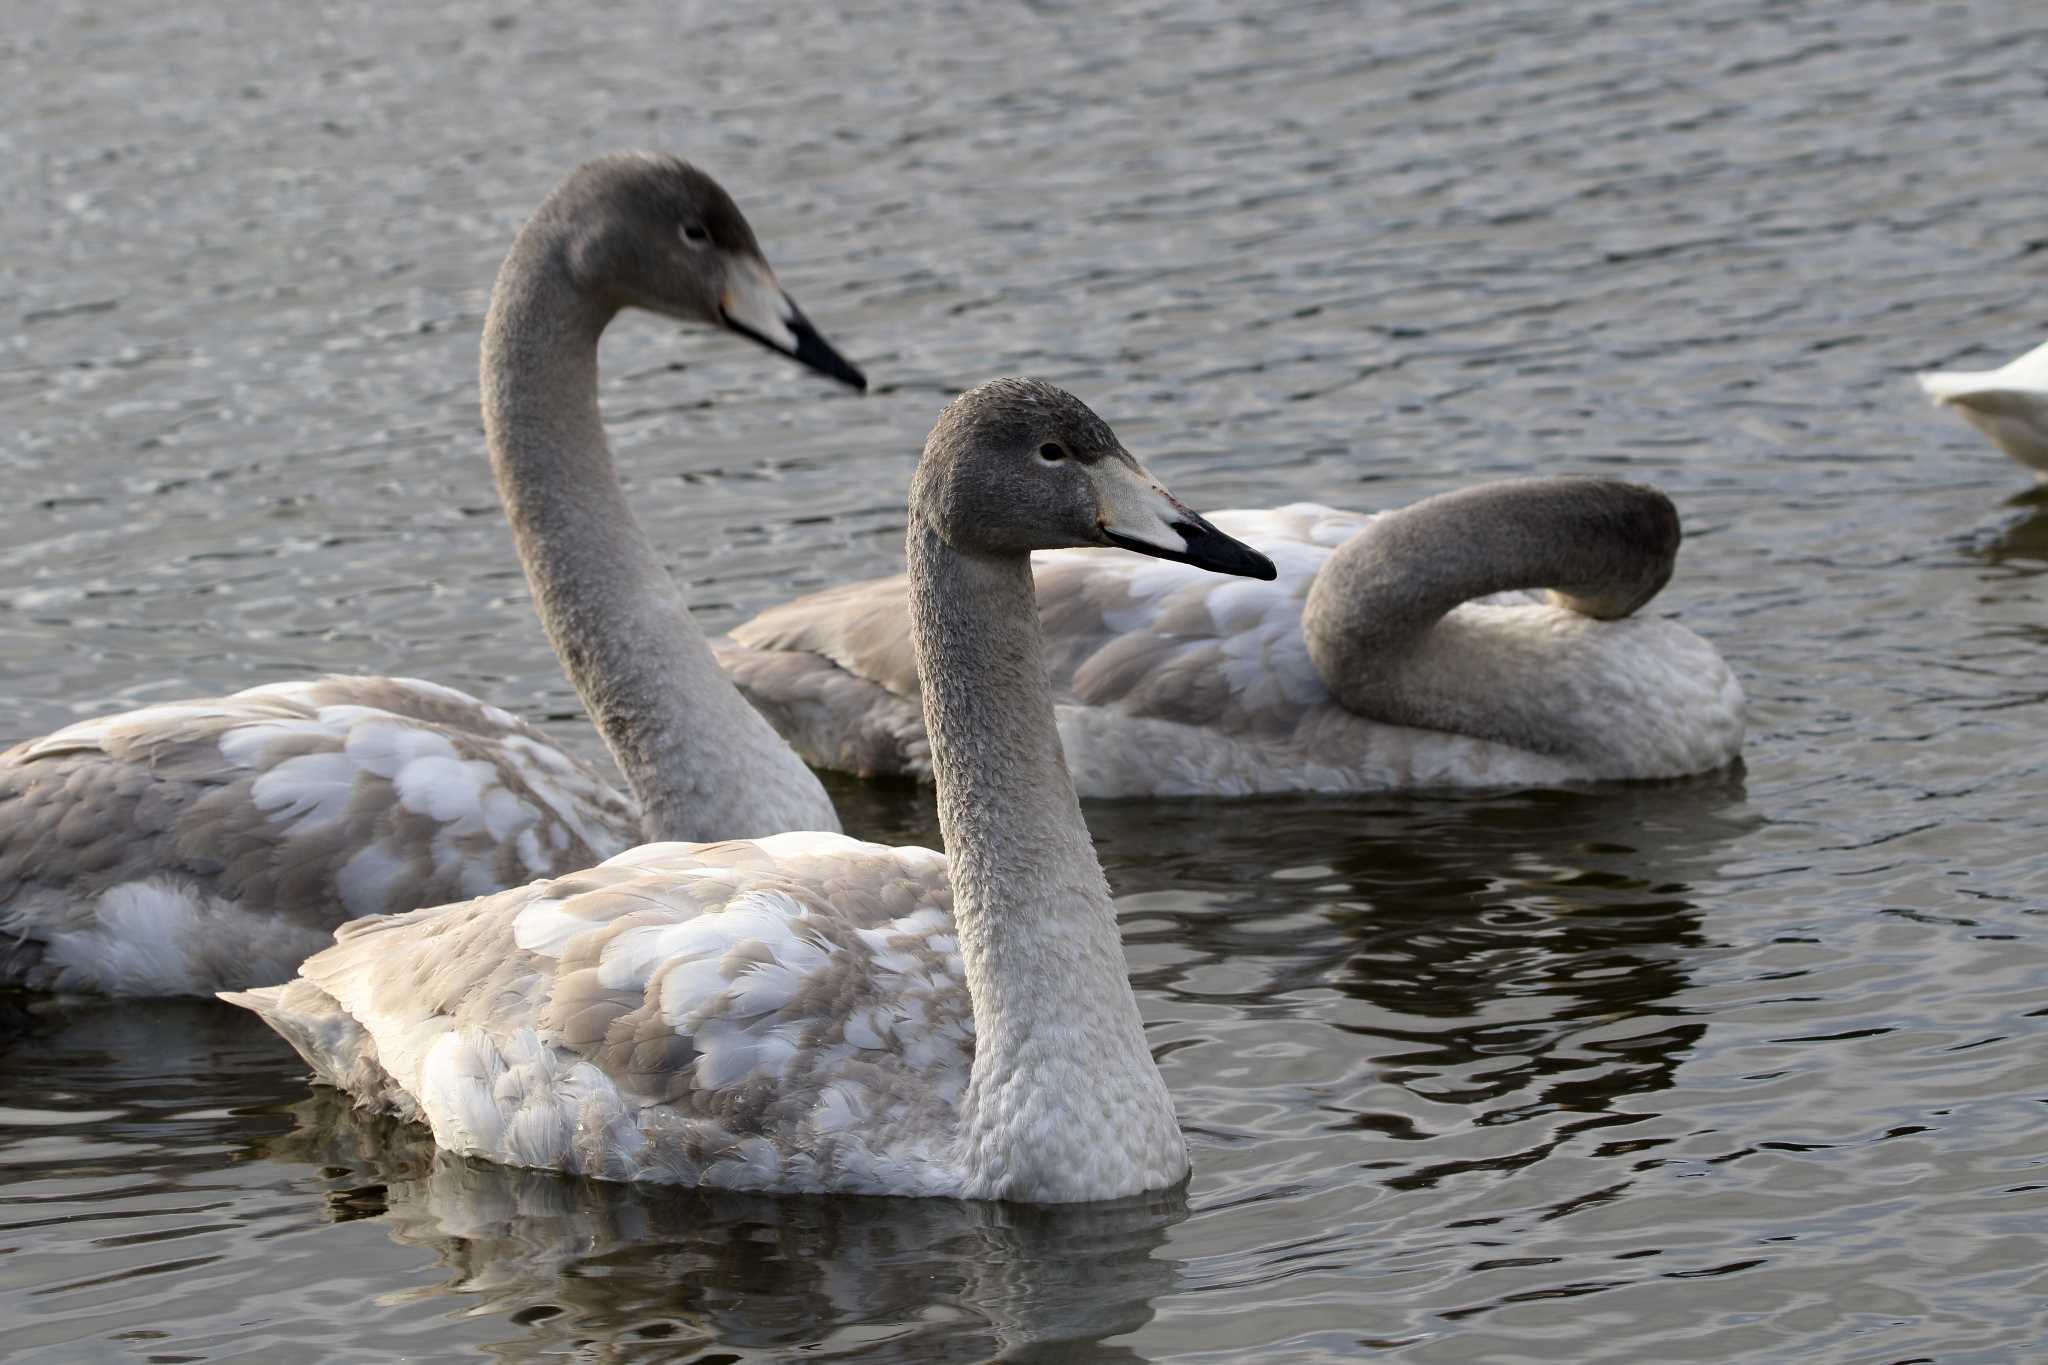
{"x": 1168, "y": 642}
{"x": 784, "y": 1013}
{"x": 230, "y": 834}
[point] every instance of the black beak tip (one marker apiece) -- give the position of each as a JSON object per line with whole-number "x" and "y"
{"x": 1243, "y": 561}
{"x": 811, "y": 350}
{"x": 814, "y": 351}
{"x": 1210, "y": 549}
{"x": 1207, "y": 548}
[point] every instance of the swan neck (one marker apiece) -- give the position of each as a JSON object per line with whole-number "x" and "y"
{"x": 701, "y": 763}
{"x": 1063, "y": 1101}
{"x": 1381, "y": 624}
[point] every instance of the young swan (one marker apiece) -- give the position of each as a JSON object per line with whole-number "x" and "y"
{"x": 807, "y": 1012}
{"x": 2008, "y": 404}
{"x": 197, "y": 845}
{"x": 1400, "y": 650}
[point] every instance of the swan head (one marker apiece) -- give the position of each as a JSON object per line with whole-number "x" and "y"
{"x": 645, "y": 230}
{"x": 1016, "y": 465}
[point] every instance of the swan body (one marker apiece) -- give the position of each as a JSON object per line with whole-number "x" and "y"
{"x": 1168, "y": 682}
{"x": 805, "y": 1012}
{"x": 2008, "y": 404}
{"x": 197, "y": 846}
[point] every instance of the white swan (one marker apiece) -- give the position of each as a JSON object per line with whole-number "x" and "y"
{"x": 2008, "y": 404}
{"x": 1366, "y": 666}
{"x": 807, "y": 1012}
{"x": 193, "y": 846}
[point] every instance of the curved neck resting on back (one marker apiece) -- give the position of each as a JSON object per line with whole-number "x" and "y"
{"x": 702, "y": 763}
{"x": 1063, "y": 1095}
{"x": 1379, "y": 625}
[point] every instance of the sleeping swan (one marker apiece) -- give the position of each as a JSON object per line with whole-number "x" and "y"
{"x": 2008, "y": 404}
{"x": 806, "y": 1012}
{"x": 1394, "y": 651}
{"x": 191, "y": 846}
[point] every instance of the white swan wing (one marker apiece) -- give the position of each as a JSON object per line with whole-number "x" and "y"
{"x": 191, "y": 846}
{"x": 786, "y": 1014}
{"x": 2009, "y": 405}
{"x": 834, "y": 671}
{"x": 2030, "y": 370}
{"x": 1155, "y": 638}
{"x": 1178, "y": 683}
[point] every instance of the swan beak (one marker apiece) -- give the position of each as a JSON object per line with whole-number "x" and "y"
{"x": 1137, "y": 513}
{"x": 754, "y": 305}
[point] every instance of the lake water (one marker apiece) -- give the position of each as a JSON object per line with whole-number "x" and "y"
{"x": 1753, "y": 1067}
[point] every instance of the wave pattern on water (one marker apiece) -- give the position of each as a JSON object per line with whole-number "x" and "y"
{"x": 1743, "y": 1068}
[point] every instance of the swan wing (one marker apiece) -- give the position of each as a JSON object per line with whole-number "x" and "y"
{"x": 786, "y": 1013}
{"x": 1155, "y": 639}
{"x": 194, "y": 845}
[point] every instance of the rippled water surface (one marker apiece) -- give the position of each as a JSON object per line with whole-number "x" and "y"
{"x": 1752, "y": 1067}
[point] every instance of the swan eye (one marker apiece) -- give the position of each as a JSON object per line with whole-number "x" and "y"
{"x": 696, "y": 234}
{"x": 1051, "y": 452}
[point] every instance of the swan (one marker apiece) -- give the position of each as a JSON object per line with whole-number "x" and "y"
{"x": 2008, "y": 404}
{"x": 1394, "y": 651}
{"x": 195, "y": 846}
{"x": 806, "y": 1012}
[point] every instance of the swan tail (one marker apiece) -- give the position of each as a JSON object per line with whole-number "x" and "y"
{"x": 340, "y": 1050}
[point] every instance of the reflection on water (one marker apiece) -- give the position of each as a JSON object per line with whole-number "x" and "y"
{"x": 2021, "y": 546}
{"x": 658, "y": 1274}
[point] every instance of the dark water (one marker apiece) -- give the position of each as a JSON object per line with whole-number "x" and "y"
{"x": 1753, "y": 1067}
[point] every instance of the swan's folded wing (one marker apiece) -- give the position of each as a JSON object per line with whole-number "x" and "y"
{"x": 833, "y": 717}
{"x": 1158, "y": 640}
{"x": 779, "y": 1013}
{"x": 863, "y": 628}
{"x": 834, "y": 674}
{"x": 161, "y": 850}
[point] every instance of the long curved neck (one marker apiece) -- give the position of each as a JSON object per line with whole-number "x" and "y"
{"x": 1380, "y": 624}
{"x": 1064, "y": 1101}
{"x": 701, "y": 762}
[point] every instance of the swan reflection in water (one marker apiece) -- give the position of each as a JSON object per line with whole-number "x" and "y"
{"x": 613, "y": 1271}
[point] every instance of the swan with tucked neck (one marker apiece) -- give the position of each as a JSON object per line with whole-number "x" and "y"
{"x": 1382, "y": 624}
{"x": 1414, "y": 648}
{"x": 806, "y": 1012}
{"x": 196, "y": 845}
